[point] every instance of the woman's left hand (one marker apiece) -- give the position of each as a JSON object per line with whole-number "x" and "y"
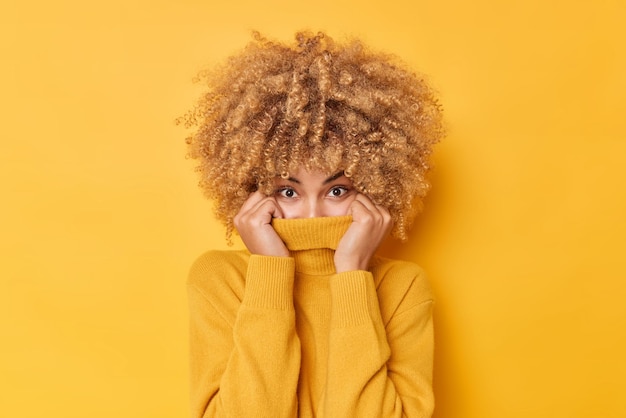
{"x": 370, "y": 225}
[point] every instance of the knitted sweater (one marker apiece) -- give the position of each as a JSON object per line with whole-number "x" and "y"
{"x": 275, "y": 337}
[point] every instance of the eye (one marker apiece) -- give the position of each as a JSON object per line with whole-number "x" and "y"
{"x": 338, "y": 191}
{"x": 286, "y": 192}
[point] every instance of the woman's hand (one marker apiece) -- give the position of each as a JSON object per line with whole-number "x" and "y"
{"x": 370, "y": 225}
{"x": 253, "y": 222}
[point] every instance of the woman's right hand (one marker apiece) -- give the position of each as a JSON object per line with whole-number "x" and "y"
{"x": 254, "y": 224}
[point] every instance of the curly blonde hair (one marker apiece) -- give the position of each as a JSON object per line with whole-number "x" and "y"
{"x": 318, "y": 104}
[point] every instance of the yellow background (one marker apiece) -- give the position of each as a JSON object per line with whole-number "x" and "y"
{"x": 523, "y": 234}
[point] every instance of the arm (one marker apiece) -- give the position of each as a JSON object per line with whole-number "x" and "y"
{"x": 376, "y": 370}
{"x": 245, "y": 352}
{"x": 376, "y": 367}
{"x": 245, "y": 357}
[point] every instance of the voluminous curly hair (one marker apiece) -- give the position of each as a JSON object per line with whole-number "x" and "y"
{"x": 321, "y": 105}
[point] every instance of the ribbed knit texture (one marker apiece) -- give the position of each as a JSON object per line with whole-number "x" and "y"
{"x": 303, "y": 234}
{"x": 266, "y": 289}
{"x": 288, "y": 337}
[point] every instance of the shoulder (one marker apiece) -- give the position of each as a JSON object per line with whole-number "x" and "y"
{"x": 391, "y": 266}
{"x": 215, "y": 272}
{"x": 400, "y": 282}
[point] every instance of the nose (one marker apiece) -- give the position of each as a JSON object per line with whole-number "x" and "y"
{"x": 314, "y": 209}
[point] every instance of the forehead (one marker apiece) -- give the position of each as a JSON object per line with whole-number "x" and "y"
{"x": 303, "y": 175}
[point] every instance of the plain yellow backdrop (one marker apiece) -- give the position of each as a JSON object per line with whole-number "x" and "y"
{"x": 522, "y": 236}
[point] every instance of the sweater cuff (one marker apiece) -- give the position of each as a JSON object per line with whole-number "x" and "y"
{"x": 354, "y": 298}
{"x": 269, "y": 282}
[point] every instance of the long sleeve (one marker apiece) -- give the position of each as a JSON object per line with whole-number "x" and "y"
{"x": 289, "y": 337}
{"x": 245, "y": 352}
{"x": 379, "y": 367}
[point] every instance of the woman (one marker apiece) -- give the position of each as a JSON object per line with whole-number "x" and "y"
{"x": 313, "y": 153}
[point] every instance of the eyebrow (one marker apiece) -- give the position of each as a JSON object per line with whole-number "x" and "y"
{"x": 328, "y": 180}
{"x": 333, "y": 177}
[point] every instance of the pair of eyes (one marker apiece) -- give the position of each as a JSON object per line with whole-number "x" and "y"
{"x": 290, "y": 193}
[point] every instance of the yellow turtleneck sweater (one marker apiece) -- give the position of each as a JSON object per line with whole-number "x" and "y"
{"x": 275, "y": 337}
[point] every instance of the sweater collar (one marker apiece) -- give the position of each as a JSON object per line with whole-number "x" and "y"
{"x": 313, "y": 241}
